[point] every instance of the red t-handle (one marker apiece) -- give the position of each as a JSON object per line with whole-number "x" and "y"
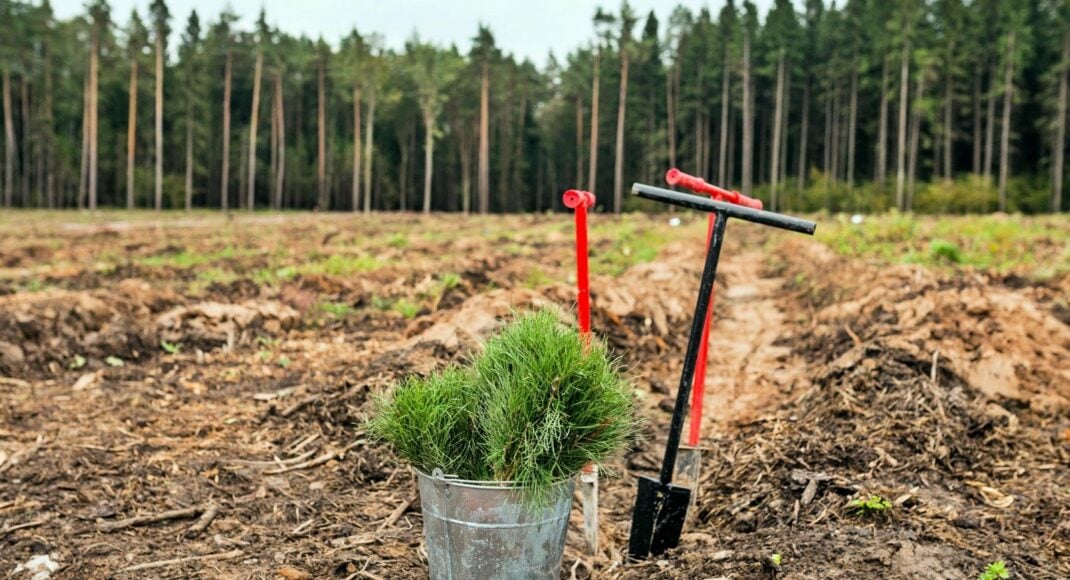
{"x": 580, "y": 201}
{"x": 676, "y": 177}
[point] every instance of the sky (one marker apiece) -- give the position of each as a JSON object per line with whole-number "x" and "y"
{"x": 527, "y": 29}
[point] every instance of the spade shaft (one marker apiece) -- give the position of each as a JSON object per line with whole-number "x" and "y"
{"x": 694, "y": 341}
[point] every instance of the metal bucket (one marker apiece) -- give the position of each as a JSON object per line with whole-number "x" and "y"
{"x": 481, "y": 530}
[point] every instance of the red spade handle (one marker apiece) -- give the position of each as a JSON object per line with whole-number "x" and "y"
{"x": 676, "y": 177}
{"x": 580, "y": 201}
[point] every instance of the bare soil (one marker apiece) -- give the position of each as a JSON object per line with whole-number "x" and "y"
{"x": 829, "y": 380}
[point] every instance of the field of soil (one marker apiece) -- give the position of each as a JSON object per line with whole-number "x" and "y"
{"x": 186, "y": 397}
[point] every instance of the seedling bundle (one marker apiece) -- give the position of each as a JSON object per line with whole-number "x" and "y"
{"x": 495, "y": 440}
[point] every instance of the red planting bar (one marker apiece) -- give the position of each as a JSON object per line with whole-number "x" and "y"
{"x": 699, "y": 382}
{"x": 698, "y": 185}
{"x": 581, "y": 201}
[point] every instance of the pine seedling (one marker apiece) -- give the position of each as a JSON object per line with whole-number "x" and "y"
{"x": 431, "y": 423}
{"x": 995, "y": 571}
{"x": 551, "y": 404}
{"x": 874, "y": 505}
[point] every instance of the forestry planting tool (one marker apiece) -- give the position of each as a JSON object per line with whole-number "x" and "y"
{"x": 689, "y": 460}
{"x": 660, "y": 505}
{"x": 581, "y": 201}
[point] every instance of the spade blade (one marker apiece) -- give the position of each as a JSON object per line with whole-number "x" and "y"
{"x": 658, "y": 517}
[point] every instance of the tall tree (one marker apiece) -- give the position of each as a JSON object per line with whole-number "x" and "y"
{"x": 1059, "y": 139}
{"x": 160, "y": 17}
{"x": 322, "y": 194}
{"x": 431, "y": 70}
{"x": 781, "y": 27}
{"x": 190, "y": 57}
{"x": 1015, "y": 47}
{"x": 263, "y": 34}
{"x": 626, "y": 21}
{"x": 353, "y": 53}
{"x": 137, "y": 37}
{"x": 375, "y": 71}
{"x": 221, "y": 35}
{"x": 100, "y": 16}
{"x": 484, "y": 52}
{"x": 907, "y": 21}
{"x": 750, "y": 28}
{"x": 8, "y": 50}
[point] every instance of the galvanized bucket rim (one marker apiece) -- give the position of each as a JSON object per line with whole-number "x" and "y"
{"x": 483, "y": 484}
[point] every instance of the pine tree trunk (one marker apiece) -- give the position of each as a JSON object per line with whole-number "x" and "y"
{"x": 9, "y": 140}
{"x": 466, "y": 170}
{"x": 273, "y": 171}
{"x": 904, "y": 81}
{"x": 254, "y": 121}
{"x": 977, "y": 139}
{"x": 592, "y": 167}
{"x": 748, "y": 116}
{"x": 280, "y": 179}
{"x": 726, "y": 95}
{"x": 131, "y": 135}
{"x": 837, "y": 131}
{"x": 321, "y": 135}
{"x": 189, "y": 158}
{"x": 159, "y": 122}
{"x": 915, "y": 138}
{"x": 730, "y": 180}
{"x": 50, "y": 134}
{"x": 990, "y": 125}
{"x": 1059, "y": 146}
{"x": 949, "y": 95}
{"x": 223, "y": 194}
{"x": 1005, "y": 136}
{"x": 355, "y": 206}
{"x": 484, "y": 140}
{"x": 786, "y": 133}
{"x": 882, "y": 128}
{"x": 369, "y": 144}
{"x": 94, "y": 64}
{"x": 826, "y": 158}
{"x": 579, "y": 143}
{"x": 804, "y": 133}
{"x": 618, "y": 164}
{"x": 670, "y": 109}
{"x": 774, "y": 174}
{"x": 83, "y": 168}
{"x": 852, "y": 127}
{"x": 24, "y": 105}
{"x": 429, "y": 155}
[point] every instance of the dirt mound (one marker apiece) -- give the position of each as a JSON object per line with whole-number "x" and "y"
{"x": 45, "y": 331}
{"x": 212, "y": 324}
{"x": 995, "y": 337}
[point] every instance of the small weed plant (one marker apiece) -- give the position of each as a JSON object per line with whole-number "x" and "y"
{"x": 534, "y": 407}
{"x": 871, "y": 506}
{"x": 995, "y": 571}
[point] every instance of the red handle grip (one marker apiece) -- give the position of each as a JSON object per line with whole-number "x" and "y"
{"x": 574, "y": 198}
{"x": 676, "y": 177}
